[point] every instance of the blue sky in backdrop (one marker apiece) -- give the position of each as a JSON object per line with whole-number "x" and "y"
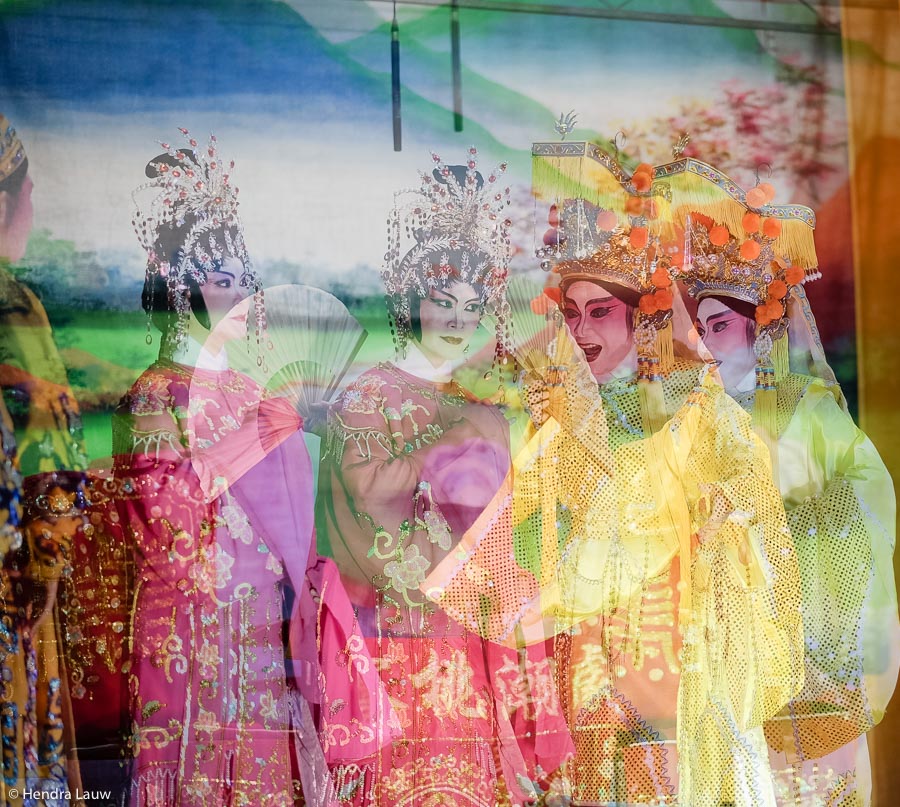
{"x": 299, "y": 95}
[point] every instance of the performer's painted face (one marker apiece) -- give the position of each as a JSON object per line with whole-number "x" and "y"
{"x": 222, "y": 290}
{"x": 600, "y": 324}
{"x": 16, "y": 227}
{"x": 449, "y": 318}
{"x": 729, "y": 336}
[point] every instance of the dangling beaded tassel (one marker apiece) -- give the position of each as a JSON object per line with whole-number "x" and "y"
{"x": 665, "y": 348}
{"x": 500, "y": 360}
{"x": 653, "y": 405}
{"x": 262, "y": 331}
{"x": 765, "y": 400}
{"x": 781, "y": 357}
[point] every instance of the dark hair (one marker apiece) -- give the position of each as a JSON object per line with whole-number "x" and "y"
{"x": 155, "y": 301}
{"x": 170, "y": 249}
{"x": 13, "y": 183}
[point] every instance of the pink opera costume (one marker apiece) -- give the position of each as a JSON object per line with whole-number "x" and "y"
{"x": 212, "y": 710}
{"x": 412, "y": 458}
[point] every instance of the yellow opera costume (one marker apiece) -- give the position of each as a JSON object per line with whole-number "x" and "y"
{"x": 649, "y": 538}
{"x": 837, "y": 493}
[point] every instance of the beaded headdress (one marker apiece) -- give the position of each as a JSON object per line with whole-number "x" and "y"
{"x": 740, "y": 245}
{"x": 12, "y": 153}
{"x": 191, "y": 223}
{"x": 453, "y": 228}
{"x": 746, "y": 269}
{"x": 742, "y": 252}
{"x": 609, "y": 231}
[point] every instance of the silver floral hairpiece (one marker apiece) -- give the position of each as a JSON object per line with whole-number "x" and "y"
{"x": 454, "y": 227}
{"x": 191, "y": 187}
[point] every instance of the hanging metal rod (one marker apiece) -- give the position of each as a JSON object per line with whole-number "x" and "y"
{"x": 510, "y": 6}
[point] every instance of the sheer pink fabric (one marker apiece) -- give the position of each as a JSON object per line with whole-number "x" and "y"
{"x": 410, "y": 465}
{"x": 211, "y": 706}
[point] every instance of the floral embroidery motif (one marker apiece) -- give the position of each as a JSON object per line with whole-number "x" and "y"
{"x": 208, "y": 615}
{"x": 268, "y": 706}
{"x": 408, "y": 571}
{"x": 212, "y": 570}
{"x": 238, "y": 523}
{"x": 437, "y": 528}
{"x": 206, "y": 721}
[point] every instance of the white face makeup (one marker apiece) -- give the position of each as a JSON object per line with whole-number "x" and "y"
{"x": 728, "y": 335}
{"x": 222, "y": 290}
{"x": 600, "y": 324}
{"x": 449, "y": 318}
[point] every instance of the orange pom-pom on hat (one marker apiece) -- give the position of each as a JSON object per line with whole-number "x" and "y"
{"x": 768, "y": 190}
{"x": 719, "y": 235}
{"x": 660, "y": 278}
{"x": 664, "y": 299}
{"x": 634, "y": 205}
{"x": 777, "y": 289}
{"x": 645, "y": 168}
{"x": 771, "y": 228}
{"x": 750, "y": 250}
{"x": 750, "y": 222}
{"x": 794, "y": 275}
{"x": 762, "y": 315}
{"x": 648, "y": 304}
{"x": 639, "y": 237}
{"x": 675, "y": 254}
{"x": 606, "y": 220}
{"x": 756, "y": 197}
{"x": 642, "y": 182}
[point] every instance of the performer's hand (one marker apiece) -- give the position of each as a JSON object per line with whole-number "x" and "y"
{"x": 317, "y": 418}
{"x": 714, "y": 509}
{"x": 537, "y": 401}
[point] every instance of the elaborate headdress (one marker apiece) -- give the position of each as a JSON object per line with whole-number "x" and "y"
{"x": 736, "y": 246}
{"x": 739, "y": 245}
{"x": 12, "y": 153}
{"x": 191, "y": 223}
{"x": 454, "y": 227}
{"x": 605, "y": 226}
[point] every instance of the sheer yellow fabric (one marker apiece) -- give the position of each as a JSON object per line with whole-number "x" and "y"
{"x": 841, "y": 511}
{"x": 657, "y": 659}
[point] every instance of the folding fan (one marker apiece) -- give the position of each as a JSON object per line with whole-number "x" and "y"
{"x": 311, "y": 339}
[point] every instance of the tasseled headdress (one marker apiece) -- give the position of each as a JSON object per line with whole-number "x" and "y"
{"x": 190, "y": 224}
{"x": 739, "y": 245}
{"x": 454, "y": 227}
{"x": 609, "y": 231}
